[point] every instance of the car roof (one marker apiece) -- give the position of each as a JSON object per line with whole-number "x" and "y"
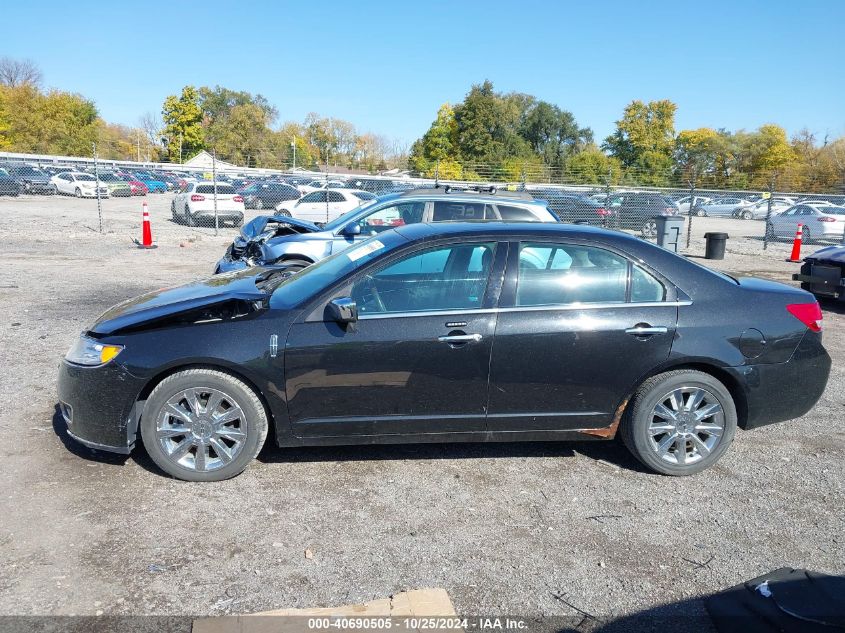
{"x": 422, "y": 231}
{"x": 436, "y": 195}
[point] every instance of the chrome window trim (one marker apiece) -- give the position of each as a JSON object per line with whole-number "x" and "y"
{"x": 543, "y": 308}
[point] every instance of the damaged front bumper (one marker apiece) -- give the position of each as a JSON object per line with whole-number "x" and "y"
{"x": 99, "y": 405}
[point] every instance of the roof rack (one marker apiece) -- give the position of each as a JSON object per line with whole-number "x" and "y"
{"x": 491, "y": 190}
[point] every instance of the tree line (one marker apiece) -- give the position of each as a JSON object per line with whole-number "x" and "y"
{"x": 514, "y": 136}
{"x": 488, "y": 136}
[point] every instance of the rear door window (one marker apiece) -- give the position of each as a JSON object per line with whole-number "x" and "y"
{"x": 567, "y": 274}
{"x": 457, "y": 211}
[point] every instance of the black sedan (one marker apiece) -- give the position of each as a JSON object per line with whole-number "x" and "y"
{"x": 448, "y": 333}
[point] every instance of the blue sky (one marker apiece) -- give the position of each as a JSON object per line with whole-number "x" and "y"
{"x": 387, "y": 67}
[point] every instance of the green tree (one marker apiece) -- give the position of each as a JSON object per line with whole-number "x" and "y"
{"x": 553, "y": 133}
{"x": 183, "y": 128}
{"x": 592, "y": 166}
{"x": 439, "y": 145}
{"x": 644, "y": 127}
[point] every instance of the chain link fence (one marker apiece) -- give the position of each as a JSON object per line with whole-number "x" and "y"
{"x": 212, "y": 192}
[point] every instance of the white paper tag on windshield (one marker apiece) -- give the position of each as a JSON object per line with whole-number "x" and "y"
{"x": 357, "y": 253}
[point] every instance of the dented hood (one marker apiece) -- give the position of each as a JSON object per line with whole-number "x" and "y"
{"x": 256, "y": 227}
{"x": 166, "y": 302}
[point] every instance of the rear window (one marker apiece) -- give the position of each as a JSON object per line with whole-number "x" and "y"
{"x": 221, "y": 189}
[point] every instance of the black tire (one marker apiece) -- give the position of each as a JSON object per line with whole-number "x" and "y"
{"x": 700, "y": 213}
{"x": 255, "y": 421}
{"x": 259, "y": 204}
{"x": 283, "y": 212}
{"x": 639, "y": 413}
{"x": 173, "y": 212}
{"x": 78, "y": 192}
{"x": 747, "y": 215}
{"x": 190, "y": 220}
{"x": 806, "y": 237}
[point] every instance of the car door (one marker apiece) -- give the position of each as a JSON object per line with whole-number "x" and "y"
{"x": 785, "y": 223}
{"x": 579, "y": 325}
{"x": 311, "y": 207}
{"x": 335, "y": 205}
{"x": 415, "y": 362}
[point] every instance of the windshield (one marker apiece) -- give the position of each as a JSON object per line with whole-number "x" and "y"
{"x": 291, "y": 291}
{"x": 347, "y": 217}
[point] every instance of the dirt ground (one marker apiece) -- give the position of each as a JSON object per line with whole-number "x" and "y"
{"x": 529, "y": 529}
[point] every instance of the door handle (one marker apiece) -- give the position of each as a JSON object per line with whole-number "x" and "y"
{"x": 460, "y": 338}
{"x": 646, "y": 330}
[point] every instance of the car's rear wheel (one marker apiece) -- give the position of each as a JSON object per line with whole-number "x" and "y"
{"x": 190, "y": 220}
{"x": 680, "y": 422}
{"x": 700, "y": 213}
{"x": 747, "y": 215}
{"x": 649, "y": 229}
{"x": 806, "y": 237}
{"x": 283, "y": 212}
{"x": 173, "y": 211}
{"x": 203, "y": 425}
{"x": 259, "y": 204}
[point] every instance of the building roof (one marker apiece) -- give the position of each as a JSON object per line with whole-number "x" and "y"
{"x": 204, "y": 160}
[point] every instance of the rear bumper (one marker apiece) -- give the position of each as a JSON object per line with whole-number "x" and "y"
{"x": 783, "y": 391}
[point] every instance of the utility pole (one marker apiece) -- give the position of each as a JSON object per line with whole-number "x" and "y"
{"x": 97, "y": 178}
{"x": 772, "y": 179}
{"x": 214, "y": 180}
{"x": 689, "y": 209}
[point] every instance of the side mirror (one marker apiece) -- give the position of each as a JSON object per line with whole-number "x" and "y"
{"x": 352, "y": 229}
{"x": 343, "y": 310}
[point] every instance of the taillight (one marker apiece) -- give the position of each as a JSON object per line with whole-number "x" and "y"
{"x": 810, "y": 314}
{"x": 670, "y": 211}
{"x": 197, "y": 198}
{"x": 238, "y": 199}
{"x": 826, "y": 219}
{"x": 601, "y": 211}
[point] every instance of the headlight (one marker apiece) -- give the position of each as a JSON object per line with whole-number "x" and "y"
{"x": 87, "y": 351}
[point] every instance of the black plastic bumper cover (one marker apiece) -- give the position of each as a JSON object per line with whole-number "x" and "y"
{"x": 98, "y": 404}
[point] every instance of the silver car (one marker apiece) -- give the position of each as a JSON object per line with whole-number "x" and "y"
{"x": 720, "y": 207}
{"x": 818, "y": 222}
{"x": 293, "y": 243}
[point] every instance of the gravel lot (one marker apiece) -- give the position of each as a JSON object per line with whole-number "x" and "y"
{"x": 524, "y": 529}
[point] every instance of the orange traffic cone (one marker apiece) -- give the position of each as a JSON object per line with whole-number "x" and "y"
{"x": 796, "y": 245}
{"x": 146, "y": 232}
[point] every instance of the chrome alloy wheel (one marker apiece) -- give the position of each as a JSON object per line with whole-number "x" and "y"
{"x": 686, "y": 425}
{"x": 201, "y": 429}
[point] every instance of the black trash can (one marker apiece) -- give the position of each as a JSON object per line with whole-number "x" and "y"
{"x": 715, "y": 245}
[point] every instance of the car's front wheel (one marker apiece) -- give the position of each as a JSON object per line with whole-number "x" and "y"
{"x": 78, "y": 192}
{"x": 680, "y": 422}
{"x": 259, "y": 204}
{"x": 747, "y": 215}
{"x": 203, "y": 425}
